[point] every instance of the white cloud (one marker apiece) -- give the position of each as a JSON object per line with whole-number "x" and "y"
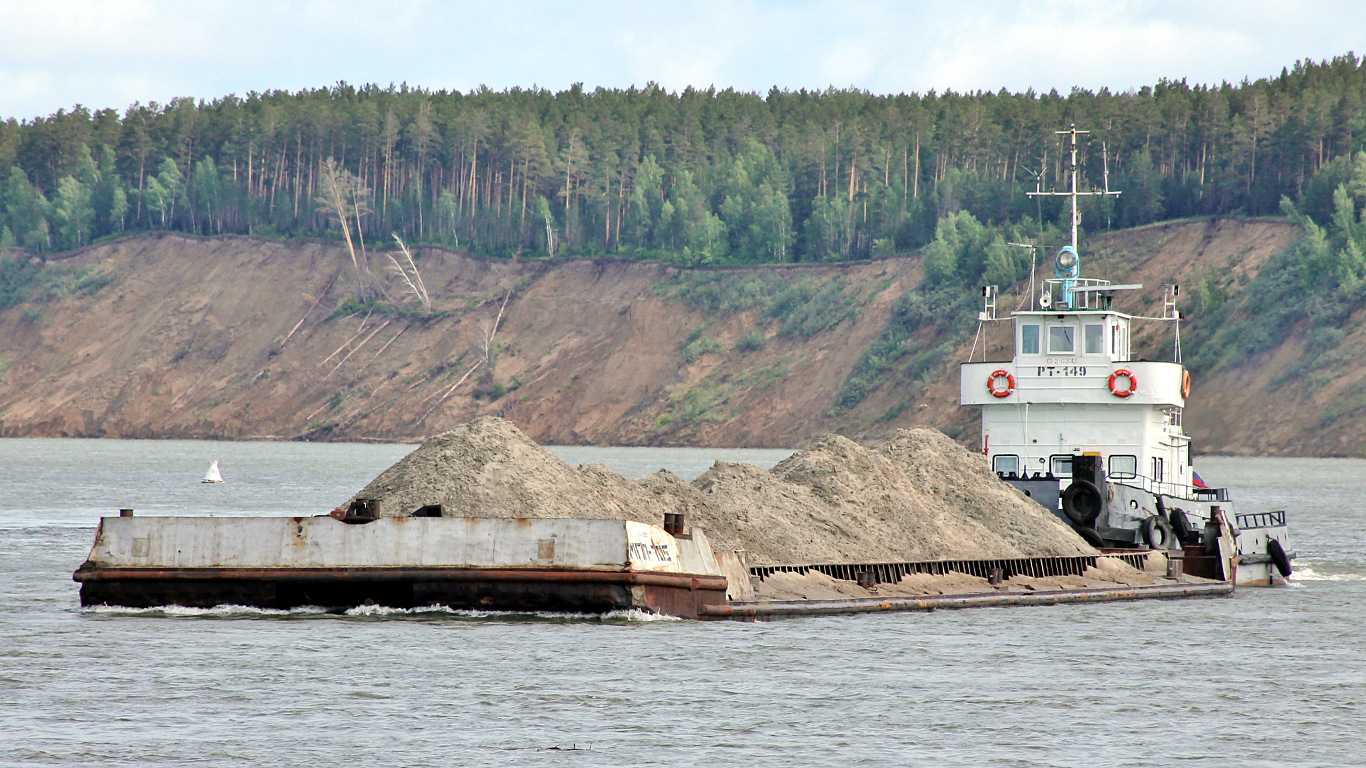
{"x": 57, "y": 53}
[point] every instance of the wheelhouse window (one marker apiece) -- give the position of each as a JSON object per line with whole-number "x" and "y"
{"x": 1060, "y": 465}
{"x": 1123, "y": 466}
{"x": 1062, "y": 339}
{"x": 1094, "y": 339}
{"x": 1006, "y": 464}
{"x": 1029, "y": 339}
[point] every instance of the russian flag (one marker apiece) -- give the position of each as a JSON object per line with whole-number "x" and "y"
{"x": 1197, "y": 482}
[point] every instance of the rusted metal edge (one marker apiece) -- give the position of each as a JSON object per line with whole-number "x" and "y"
{"x": 975, "y": 600}
{"x": 892, "y": 572}
{"x": 645, "y": 578}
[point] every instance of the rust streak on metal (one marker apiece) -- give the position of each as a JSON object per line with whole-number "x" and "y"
{"x": 976, "y": 600}
{"x": 678, "y": 580}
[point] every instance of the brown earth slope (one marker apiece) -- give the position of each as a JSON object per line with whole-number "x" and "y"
{"x": 187, "y": 339}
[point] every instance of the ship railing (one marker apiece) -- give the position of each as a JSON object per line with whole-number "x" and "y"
{"x": 1174, "y": 490}
{"x": 891, "y": 573}
{"x": 1274, "y": 519}
{"x": 1057, "y": 289}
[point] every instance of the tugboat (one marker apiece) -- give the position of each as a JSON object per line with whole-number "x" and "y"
{"x": 1094, "y": 435}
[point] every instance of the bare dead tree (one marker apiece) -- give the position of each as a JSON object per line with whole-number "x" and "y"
{"x": 357, "y": 348}
{"x": 360, "y": 207}
{"x": 486, "y": 341}
{"x": 343, "y": 199}
{"x": 406, "y": 268}
{"x": 487, "y": 332}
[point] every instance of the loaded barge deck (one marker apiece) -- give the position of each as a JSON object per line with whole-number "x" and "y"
{"x": 568, "y": 565}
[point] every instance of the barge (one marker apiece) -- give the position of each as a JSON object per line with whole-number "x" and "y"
{"x": 563, "y": 565}
{"x": 350, "y": 559}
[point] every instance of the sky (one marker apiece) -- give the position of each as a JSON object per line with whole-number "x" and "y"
{"x": 111, "y": 53}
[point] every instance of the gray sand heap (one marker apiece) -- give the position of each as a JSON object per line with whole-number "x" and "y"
{"x": 920, "y": 497}
{"x": 489, "y": 468}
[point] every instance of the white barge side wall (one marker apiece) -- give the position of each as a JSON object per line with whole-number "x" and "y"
{"x": 414, "y": 542}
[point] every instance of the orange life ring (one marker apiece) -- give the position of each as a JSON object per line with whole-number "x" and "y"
{"x": 1010, "y": 383}
{"x": 1133, "y": 383}
{"x": 1185, "y": 384}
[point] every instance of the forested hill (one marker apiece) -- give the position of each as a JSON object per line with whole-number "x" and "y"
{"x": 702, "y": 176}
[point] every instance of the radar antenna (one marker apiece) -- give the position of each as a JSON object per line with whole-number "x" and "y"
{"x": 1033, "y": 263}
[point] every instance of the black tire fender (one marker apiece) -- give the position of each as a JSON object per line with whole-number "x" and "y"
{"x": 1158, "y": 533}
{"x": 1082, "y": 502}
{"x": 1181, "y": 525}
{"x": 1278, "y": 557}
{"x": 1090, "y": 535}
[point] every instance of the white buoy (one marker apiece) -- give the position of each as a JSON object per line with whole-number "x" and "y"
{"x": 212, "y": 476}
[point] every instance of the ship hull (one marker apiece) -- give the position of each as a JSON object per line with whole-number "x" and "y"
{"x": 577, "y": 566}
{"x": 525, "y": 590}
{"x": 1127, "y": 507}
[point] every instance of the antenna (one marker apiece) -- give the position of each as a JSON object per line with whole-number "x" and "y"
{"x": 1170, "y": 312}
{"x": 1033, "y": 255}
{"x": 987, "y": 315}
{"x": 1069, "y": 257}
{"x": 1105, "y": 166}
{"x": 1105, "y": 176}
{"x": 1074, "y": 173}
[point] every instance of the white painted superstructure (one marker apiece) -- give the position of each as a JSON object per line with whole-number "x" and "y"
{"x": 1057, "y": 400}
{"x": 1073, "y": 396}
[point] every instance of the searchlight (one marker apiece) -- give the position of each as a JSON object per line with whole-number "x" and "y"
{"x": 1067, "y": 265}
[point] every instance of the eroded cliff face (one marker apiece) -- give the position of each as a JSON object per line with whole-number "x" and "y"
{"x": 188, "y": 339}
{"x": 240, "y": 338}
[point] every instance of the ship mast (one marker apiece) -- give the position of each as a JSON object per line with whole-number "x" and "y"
{"x": 1073, "y": 175}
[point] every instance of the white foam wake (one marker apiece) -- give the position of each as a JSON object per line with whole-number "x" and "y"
{"x": 1304, "y": 572}
{"x": 369, "y": 611}
{"x": 632, "y": 615}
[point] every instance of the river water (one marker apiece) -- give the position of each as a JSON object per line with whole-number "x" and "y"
{"x": 1268, "y": 677}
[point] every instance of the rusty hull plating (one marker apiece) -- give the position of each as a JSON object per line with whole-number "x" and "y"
{"x": 528, "y": 589}
{"x": 581, "y": 566}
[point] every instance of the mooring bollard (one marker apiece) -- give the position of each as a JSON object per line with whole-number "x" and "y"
{"x": 1176, "y": 564}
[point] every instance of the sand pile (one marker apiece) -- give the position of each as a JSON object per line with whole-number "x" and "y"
{"x": 1108, "y": 573}
{"x": 922, "y": 497}
{"x": 489, "y": 468}
{"x": 946, "y": 472}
